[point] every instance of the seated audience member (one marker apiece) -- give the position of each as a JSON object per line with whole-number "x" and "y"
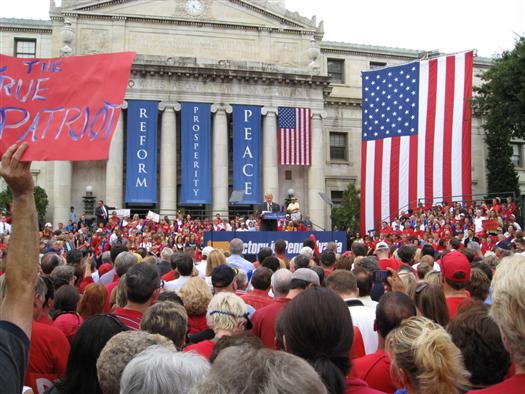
{"x": 430, "y": 302}
{"x": 161, "y": 370}
{"x": 196, "y": 296}
{"x": 317, "y": 327}
{"x": 226, "y": 315}
{"x": 285, "y": 287}
{"x": 242, "y": 369}
{"x": 185, "y": 269}
{"x": 261, "y": 283}
{"x": 246, "y": 338}
{"x": 120, "y": 350}
{"x": 374, "y": 368}
{"x": 344, "y": 284}
{"x": 17, "y": 304}
{"x": 65, "y": 316}
{"x": 49, "y": 348}
{"x": 166, "y": 318}
{"x": 424, "y": 359}
{"x": 142, "y": 290}
{"x": 92, "y": 301}
{"x": 479, "y": 285}
{"x": 508, "y": 311}
{"x": 455, "y": 275}
{"x": 81, "y": 372}
{"x": 479, "y": 339}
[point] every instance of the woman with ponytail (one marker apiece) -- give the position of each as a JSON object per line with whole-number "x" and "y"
{"x": 425, "y": 360}
{"x": 317, "y": 327}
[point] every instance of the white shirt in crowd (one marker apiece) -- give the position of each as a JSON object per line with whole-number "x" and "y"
{"x": 363, "y": 318}
{"x": 176, "y": 285}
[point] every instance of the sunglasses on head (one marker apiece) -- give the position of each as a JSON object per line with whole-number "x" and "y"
{"x": 248, "y": 325}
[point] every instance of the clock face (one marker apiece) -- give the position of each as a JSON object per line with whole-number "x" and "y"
{"x": 194, "y": 7}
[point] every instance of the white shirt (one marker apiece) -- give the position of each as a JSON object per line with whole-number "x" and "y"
{"x": 5, "y": 228}
{"x": 176, "y": 285}
{"x": 363, "y": 318}
{"x": 436, "y": 267}
{"x": 478, "y": 224}
{"x": 369, "y": 302}
{"x": 201, "y": 267}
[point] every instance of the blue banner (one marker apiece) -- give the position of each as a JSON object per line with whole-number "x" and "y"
{"x": 141, "y": 164}
{"x": 196, "y": 153}
{"x": 246, "y": 152}
{"x": 255, "y": 240}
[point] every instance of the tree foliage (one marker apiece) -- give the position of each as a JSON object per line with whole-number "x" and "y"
{"x": 500, "y": 103}
{"x": 41, "y": 202}
{"x": 346, "y": 216}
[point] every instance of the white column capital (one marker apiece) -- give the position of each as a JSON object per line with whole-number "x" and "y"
{"x": 269, "y": 111}
{"x": 169, "y": 105}
{"x": 221, "y": 107}
{"x": 319, "y": 114}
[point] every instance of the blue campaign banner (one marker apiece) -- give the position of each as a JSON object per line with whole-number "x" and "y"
{"x": 255, "y": 240}
{"x": 196, "y": 153}
{"x": 247, "y": 152}
{"x": 141, "y": 164}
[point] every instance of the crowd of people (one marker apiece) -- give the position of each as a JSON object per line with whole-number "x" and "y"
{"x": 395, "y": 313}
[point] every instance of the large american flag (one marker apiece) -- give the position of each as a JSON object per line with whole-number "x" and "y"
{"x": 416, "y": 136}
{"x": 294, "y": 136}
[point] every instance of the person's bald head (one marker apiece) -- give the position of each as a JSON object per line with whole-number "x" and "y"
{"x": 236, "y": 246}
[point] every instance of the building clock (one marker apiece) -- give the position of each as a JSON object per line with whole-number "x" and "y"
{"x": 195, "y": 7}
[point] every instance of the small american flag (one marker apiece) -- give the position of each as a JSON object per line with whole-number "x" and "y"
{"x": 295, "y": 136}
{"x": 416, "y": 141}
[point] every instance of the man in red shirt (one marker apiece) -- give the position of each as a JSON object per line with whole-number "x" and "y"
{"x": 123, "y": 262}
{"x": 285, "y": 287}
{"x": 327, "y": 260}
{"x": 382, "y": 251}
{"x": 374, "y": 368}
{"x": 261, "y": 282}
{"x": 142, "y": 289}
{"x": 508, "y": 310}
{"x": 455, "y": 275}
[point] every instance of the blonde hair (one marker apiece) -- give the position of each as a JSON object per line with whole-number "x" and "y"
{"x": 426, "y": 353}
{"x": 119, "y": 296}
{"x": 225, "y": 312}
{"x": 166, "y": 318}
{"x": 214, "y": 259}
{"x": 196, "y": 295}
{"x": 433, "y": 278}
{"x": 508, "y": 305}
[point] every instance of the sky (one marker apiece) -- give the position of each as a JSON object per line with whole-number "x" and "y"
{"x": 489, "y": 26}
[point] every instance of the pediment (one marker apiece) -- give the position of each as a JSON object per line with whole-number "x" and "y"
{"x": 237, "y": 12}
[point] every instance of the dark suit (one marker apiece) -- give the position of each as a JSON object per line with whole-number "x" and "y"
{"x": 268, "y": 225}
{"x": 101, "y": 217}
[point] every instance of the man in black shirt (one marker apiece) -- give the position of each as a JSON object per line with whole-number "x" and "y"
{"x": 16, "y": 310}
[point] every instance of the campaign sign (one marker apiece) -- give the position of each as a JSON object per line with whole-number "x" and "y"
{"x": 141, "y": 152}
{"x": 196, "y": 153}
{"x": 247, "y": 152}
{"x": 65, "y": 108}
{"x": 255, "y": 240}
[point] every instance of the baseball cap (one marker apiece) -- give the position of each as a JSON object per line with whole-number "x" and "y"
{"x": 382, "y": 246}
{"x": 505, "y": 245}
{"x": 48, "y": 225}
{"x": 222, "y": 276}
{"x": 455, "y": 267}
{"x": 207, "y": 250}
{"x": 307, "y": 275}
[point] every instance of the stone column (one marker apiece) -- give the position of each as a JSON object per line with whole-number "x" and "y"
{"x": 316, "y": 181}
{"x": 220, "y": 158}
{"x": 115, "y": 165}
{"x": 168, "y": 159}
{"x": 270, "y": 171}
{"x": 63, "y": 171}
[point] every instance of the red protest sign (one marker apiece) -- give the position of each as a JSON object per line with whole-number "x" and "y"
{"x": 490, "y": 225}
{"x": 65, "y": 108}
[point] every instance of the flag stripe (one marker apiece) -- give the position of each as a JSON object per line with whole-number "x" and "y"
{"x": 405, "y": 188}
{"x": 295, "y": 133}
{"x": 384, "y": 189}
{"x": 378, "y": 167}
{"x": 447, "y": 132}
{"x": 394, "y": 178}
{"x": 363, "y": 188}
{"x": 457, "y": 128}
{"x": 429, "y": 134}
{"x": 422, "y": 127}
{"x": 412, "y": 162}
{"x": 467, "y": 96}
{"x": 439, "y": 131}
{"x": 370, "y": 185}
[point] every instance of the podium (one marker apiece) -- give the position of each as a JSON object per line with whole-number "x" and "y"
{"x": 267, "y": 215}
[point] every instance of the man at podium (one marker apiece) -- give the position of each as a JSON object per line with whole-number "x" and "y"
{"x": 265, "y": 210}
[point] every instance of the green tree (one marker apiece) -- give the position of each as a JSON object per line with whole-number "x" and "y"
{"x": 347, "y": 214}
{"x": 500, "y": 102}
{"x": 41, "y": 202}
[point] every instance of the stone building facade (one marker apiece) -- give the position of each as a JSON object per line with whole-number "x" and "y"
{"x": 222, "y": 52}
